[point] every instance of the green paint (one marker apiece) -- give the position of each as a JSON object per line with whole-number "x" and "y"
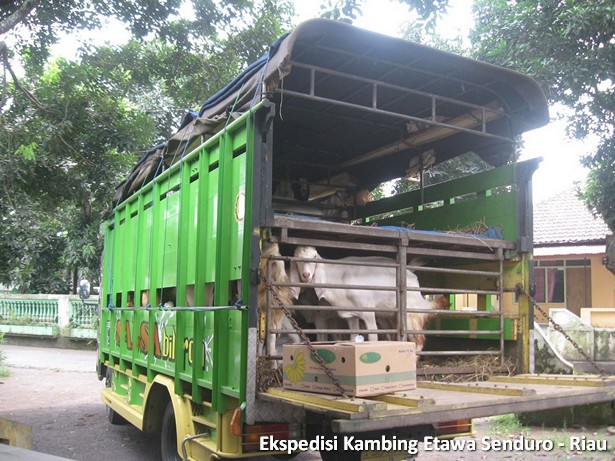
{"x": 370, "y": 357}
{"x": 182, "y": 237}
{"x": 328, "y": 356}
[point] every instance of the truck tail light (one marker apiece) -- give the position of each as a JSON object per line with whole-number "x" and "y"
{"x": 252, "y": 434}
{"x": 454, "y": 428}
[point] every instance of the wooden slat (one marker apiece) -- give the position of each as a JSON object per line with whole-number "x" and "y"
{"x": 562, "y": 380}
{"x": 477, "y": 387}
{"x": 331, "y": 402}
{"x": 405, "y": 400}
{"x": 430, "y": 371}
{"x": 378, "y": 232}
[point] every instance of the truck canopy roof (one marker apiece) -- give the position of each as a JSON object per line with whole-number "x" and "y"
{"x": 349, "y": 98}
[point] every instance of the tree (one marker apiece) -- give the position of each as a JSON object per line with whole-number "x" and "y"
{"x": 72, "y": 130}
{"x": 61, "y": 160}
{"x": 569, "y": 47}
{"x": 348, "y": 10}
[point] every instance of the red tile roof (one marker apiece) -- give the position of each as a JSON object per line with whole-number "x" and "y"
{"x": 564, "y": 219}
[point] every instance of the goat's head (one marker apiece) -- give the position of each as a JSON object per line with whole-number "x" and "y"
{"x": 303, "y": 271}
{"x": 306, "y": 269}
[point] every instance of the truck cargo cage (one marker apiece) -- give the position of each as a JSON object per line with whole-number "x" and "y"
{"x": 437, "y": 249}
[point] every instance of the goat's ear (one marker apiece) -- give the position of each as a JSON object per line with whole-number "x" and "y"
{"x": 319, "y": 276}
{"x": 294, "y": 278}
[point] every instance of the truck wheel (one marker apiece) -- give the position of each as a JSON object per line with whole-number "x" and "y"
{"x": 340, "y": 455}
{"x": 112, "y": 416}
{"x": 168, "y": 436}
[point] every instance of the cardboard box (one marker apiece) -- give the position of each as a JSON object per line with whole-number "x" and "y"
{"x": 363, "y": 369}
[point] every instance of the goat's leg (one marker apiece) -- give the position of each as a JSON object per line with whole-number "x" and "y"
{"x": 369, "y": 318}
{"x": 287, "y": 325}
{"x": 320, "y": 322}
{"x": 385, "y": 322}
{"x": 271, "y": 349}
{"x": 353, "y": 325}
{"x": 370, "y": 323}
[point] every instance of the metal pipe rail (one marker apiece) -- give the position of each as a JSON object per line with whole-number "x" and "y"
{"x": 401, "y": 246}
{"x": 479, "y": 114}
{"x": 324, "y": 308}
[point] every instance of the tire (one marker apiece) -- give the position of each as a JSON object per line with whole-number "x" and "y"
{"x": 340, "y": 455}
{"x": 285, "y": 457}
{"x": 168, "y": 436}
{"x": 112, "y": 416}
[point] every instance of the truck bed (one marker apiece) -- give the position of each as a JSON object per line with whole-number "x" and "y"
{"x": 433, "y": 402}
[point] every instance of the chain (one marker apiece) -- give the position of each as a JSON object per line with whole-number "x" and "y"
{"x": 303, "y": 336}
{"x": 558, "y": 327}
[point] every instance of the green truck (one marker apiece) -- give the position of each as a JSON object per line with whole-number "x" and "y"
{"x": 286, "y": 155}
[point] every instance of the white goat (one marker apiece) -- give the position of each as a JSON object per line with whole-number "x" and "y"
{"x": 339, "y": 274}
{"x": 365, "y": 275}
{"x": 274, "y": 271}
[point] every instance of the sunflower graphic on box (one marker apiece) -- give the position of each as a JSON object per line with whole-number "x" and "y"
{"x": 296, "y": 369}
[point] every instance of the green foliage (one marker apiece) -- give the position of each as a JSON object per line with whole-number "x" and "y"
{"x": 4, "y": 371}
{"x": 27, "y": 151}
{"x": 66, "y": 144}
{"x": 68, "y": 154}
{"x": 347, "y": 11}
{"x": 568, "y": 47}
{"x": 45, "y": 22}
{"x": 457, "y": 167}
{"x": 599, "y": 192}
{"x": 507, "y": 425}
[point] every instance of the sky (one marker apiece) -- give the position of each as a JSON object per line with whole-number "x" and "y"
{"x": 560, "y": 167}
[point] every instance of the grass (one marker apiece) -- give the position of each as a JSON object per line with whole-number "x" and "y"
{"x": 4, "y": 371}
{"x": 506, "y": 425}
{"x": 510, "y": 426}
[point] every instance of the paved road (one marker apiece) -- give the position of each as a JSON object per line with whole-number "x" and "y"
{"x": 41, "y": 358}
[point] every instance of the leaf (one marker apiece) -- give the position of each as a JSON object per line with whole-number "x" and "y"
{"x": 27, "y": 151}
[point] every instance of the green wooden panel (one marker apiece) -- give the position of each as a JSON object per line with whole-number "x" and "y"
{"x": 445, "y": 191}
{"x": 484, "y": 324}
{"x": 169, "y": 215}
{"x": 184, "y": 231}
{"x": 238, "y": 213}
{"x": 211, "y": 220}
{"x": 140, "y": 334}
{"x": 193, "y": 210}
{"x": 164, "y": 337}
{"x": 118, "y": 254}
{"x": 144, "y": 244}
{"x": 493, "y": 210}
{"x": 130, "y": 249}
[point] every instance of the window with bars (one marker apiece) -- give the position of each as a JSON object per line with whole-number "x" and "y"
{"x": 551, "y": 279}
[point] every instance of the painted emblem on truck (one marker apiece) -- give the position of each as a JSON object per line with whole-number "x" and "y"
{"x": 163, "y": 342}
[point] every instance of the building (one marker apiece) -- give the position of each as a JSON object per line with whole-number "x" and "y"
{"x": 569, "y": 254}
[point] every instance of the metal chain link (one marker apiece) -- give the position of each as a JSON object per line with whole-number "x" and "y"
{"x": 558, "y": 328}
{"x": 303, "y": 336}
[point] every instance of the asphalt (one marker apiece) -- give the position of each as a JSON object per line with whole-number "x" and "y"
{"x": 49, "y": 359}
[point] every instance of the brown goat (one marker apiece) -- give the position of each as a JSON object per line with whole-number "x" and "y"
{"x": 273, "y": 270}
